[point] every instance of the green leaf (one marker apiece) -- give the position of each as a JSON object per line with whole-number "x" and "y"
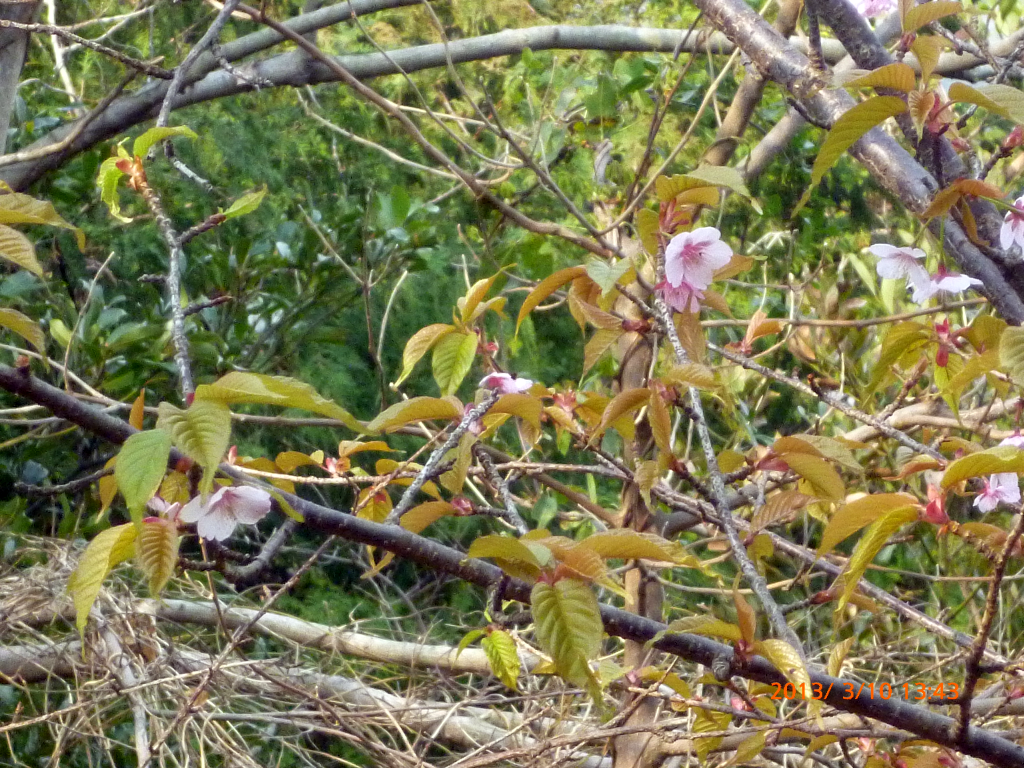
{"x": 851, "y": 517}
{"x": 157, "y": 552}
{"x": 107, "y": 180}
{"x": 16, "y": 208}
{"x": 24, "y": 326}
{"x": 495, "y": 547}
{"x": 141, "y": 466}
{"x": 501, "y": 653}
{"x": 1003, "y": 100}
{"x": 545, "y": 288}
{"x": 626, "y": 544}
{"x": 1002, "y": 458}
{"x": 258, "y": 388}
{"x": 897, "y": 76}
{"x": 869, "y": 546}
{"x": 568, "y": 626}
{"x": 153, "y": 135}
{"x": 691, "y": 375}
{"x": 203, "y": 432}
{"x": 847, "y": 130}
{"x": 453, "y": 357}
{"x": 416, "y": 409}
{"x": 468, "y": 639}
{"x": 1011, "y": 353}
{"x": 786, "y": 659}
{"x": 648, "y": 225}
{"x": 18, "y": 249}
{"x": 705, "y": 175}
{"x": 607, "y": 275}
{"x": 705, "y": 721}
{"x": 245, "y": 204}
{"x": 825, "y": 481}
{"x": 467, "y": 304}
{"x": 419, "y": 344}
{"x": 924, "y": 14}
{"x": 705, "y": 625}
{"x": 109, "y": 548}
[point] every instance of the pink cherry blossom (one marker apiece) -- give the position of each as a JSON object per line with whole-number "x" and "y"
{"x": 693, "y": 257}
{"x": 944, "y": 282}
{"x": 869, "y": 9}
{"x": 506, "y": 383}
{"x": 163, "y": 509}
{"x": 1002, "y": 487}
{"x": 1012, "y": 230}
{"x": 683, "y": 297}
{"x": 895, "y": 263}
{"x": 219, "y": 513}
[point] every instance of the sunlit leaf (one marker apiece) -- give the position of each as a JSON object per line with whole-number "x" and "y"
{"x": 500, "y": 649}
{"x": 705, "y": 175}
{"x": 691, "y": 375}
{"x": 786, "y": 659}
{"x": 778, "y": 509}
{"x": 419, "y": 344}
{"x": 545, "y": 288}
{"x": 202, "y": 432}
{"x": 1002, "y": 458}
{"x": 819, "y": 473}
{"x": 17, "y": 249}
{"x": 246, "y": 204}
{"x": 648, "y": 226}
{"x": 156, "y": 550}
{"x": 1011, "y": 353}
{"x": 705, "y": 625}
{"x": 16, "y": 208}
{"x": 258, "y": 388}
{"x": 142, "y": 144}
{"x": 1003, "y": 100}
{"x": 107, "y": 180}
{"x": 468, "y": 303}
{"x": 848, "y": 129}
{"x": 141, "y": 466}
{"x": 623, "y": 404}
{"x": 599, "y": 343}
{"x": 927, "y": 49}
{"x": 706, "y": 721}
{"x": 896, "y": 76}
{"x": 852, "y": 517}
{"x": 838, "y": 655}
{"x": 870, "y": 545}
{"x": 925, "y": 13}
{"x": 24, "y": 326}
{"x": 453, "y": 357}
{"x": 568, "y": 626}
{"x": 107, "y": 549}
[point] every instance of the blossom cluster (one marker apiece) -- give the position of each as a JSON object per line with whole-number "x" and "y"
{"x": 691, "y": 259}
{"x": 897, "y": 263}
{"x": 1003, "y": 487}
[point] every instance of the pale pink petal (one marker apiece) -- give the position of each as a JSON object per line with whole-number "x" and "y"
{"x": 985, "y": 501}
{"x": 1012, "y": 230}
{"x": 1017, "y": 440}
{"x": 248, "y": 505}
{"x": 683, "y": 297}
{"x": 693, "y": 257}
{"x": 506, "y": 383}
{"x": 217, "y": 525}
{"x": 192, "y": 511}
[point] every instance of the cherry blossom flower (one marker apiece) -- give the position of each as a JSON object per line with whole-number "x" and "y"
{"x": 895, "y": 263}
{"x": 1012, "y": 231}
{"x": 217, "y": 515}
{"x": 693, "y": 257}
{"x": 683, "y": 297}
{"x": 506, "y": 383}
{"x": 1001, "y": 487}
{"x": 1016, "y": 440}
{"x": 944, "y": 282}
{"x": 163, "y": 509}
{"x": 869, "y": 9}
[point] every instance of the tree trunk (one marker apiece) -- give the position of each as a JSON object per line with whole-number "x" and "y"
{"x": 13, "y": 44}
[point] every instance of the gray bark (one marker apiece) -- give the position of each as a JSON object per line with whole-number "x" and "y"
{"x": 13, "y": 44}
